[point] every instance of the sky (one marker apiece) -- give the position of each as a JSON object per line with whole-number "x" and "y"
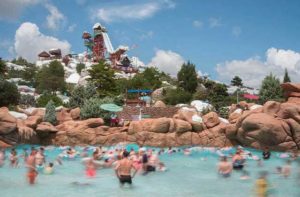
{"x": 248, "y": 38}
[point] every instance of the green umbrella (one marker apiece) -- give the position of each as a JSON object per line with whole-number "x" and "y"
{"x": 111, "y": 107}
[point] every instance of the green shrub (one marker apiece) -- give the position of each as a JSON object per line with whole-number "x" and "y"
{"x": 176, "y": 96}
{"x": 80, "y": 67}
{"x": 224, "y": 112}
{"x": 50, "y": 115}
{"x": 80, "y": 94}
{"x": 27, "y": 100}
{"x": 43, "y": 100}
{"x": 9, "y": 94}
{"x": 91, "y": 108}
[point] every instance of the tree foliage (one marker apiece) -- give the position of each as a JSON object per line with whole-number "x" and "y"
{"x": 51, "y": 78}
{"x": 80, "y": 94}
{"x": 27, "y": 100}
{"x": 9, "y": 94}
{"x": 2, "y": 68}
{"x": 91, "y": 108}
{"x": 286, "y": 77}
{"x": 45, "y": 98}
{"x": 80, "y": 67}
{"x": 103, "y": 77}
{"x": 50, "y": 114}
{"x": 187, "y": 77}
{"x": 270, "y": 89}
{"x": 177, "y": 96}
{"x": 237, "y": 81}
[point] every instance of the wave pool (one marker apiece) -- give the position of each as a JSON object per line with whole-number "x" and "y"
{"x": 193, "y": 175}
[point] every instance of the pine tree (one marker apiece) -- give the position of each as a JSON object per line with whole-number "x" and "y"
{"x": 50, "y": 115}
{"x": 187, "y": 77}
{"x": 270, "y": 89}
{"x": 286, "y": 76}
{"x": 103, "y": 77}
{"x": 237, "y": 81}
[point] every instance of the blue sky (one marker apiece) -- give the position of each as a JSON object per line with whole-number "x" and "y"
{"x": 216, "y": 35}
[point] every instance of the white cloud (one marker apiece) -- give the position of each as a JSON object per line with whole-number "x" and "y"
{"x": 167, "y": 61}
{"x": 29, "y": 42}
{"x": 130, "y": 12}
{"x": 10, "y": 9}
{"x": 253, "y": 70}
{"x": 81, "y": 2}
{"x": 214, "y": 22}
{"x": 55, "y": 17}
{"x": 197, "y": 23}
{"x": 236, "y": 31}
{"x": 71, "y": 28}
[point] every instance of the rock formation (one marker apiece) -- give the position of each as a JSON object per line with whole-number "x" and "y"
{"x": 275, "y": 125}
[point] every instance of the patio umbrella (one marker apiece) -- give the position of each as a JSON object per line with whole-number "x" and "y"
{"x": 111, "y": 107}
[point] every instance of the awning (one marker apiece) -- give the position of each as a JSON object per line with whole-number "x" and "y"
{"x": 138, "y": 91}
{"x": 251, "y": 96}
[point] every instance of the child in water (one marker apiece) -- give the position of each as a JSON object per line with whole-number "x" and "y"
{"x": 49, "y": 169}
{"x": 261, "y": 185}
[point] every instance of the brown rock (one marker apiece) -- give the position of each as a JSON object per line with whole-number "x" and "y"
{"x": 75, "y": 113}
{"x": 184, "y": 138}
{"x": 159, "y": 104}
{"x": 4, "y": 145}
{"x": 46, "y": 127}
{"x": 182, "y": 126}
{"x": 233, "y": 117}
{"x": 33, "y": 121}
{"x": 156, "y": 139}
{"x": 116, "y": 138}
{"x": 294, "y": 100}
{"x": 38, "y": 112}
{"x": 211, "y": 119}
{"x": 271, "y": 107}
{"x": 244, "y": 105}
{"x": 160, "y": 125}
{"x": 63, "y": 116}
{"x": 8, "y": 123}
{"x": 134, "y": 127}
{"x": 171, "y": 140}
{"x": 289, "y": 110}
{"x": 264, "y": 130}
{"x": 93, "y": 122}
{"x": 231, "y": 131}
{"x": 290, "y": 87}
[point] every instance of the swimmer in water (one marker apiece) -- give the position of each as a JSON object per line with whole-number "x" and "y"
{"x": 261, "y": 185}
{"x": 13, "y": 158}
{"x": 49, "y": 169}
{"x": 31, "y": 166}
{"x": 286, "y": 169}
{"x": 238, "y": 161}
{"x": 224, "y": 167}
{"x": 2, "y": 157}
{"x": 124, "y": 168}
{"x": 90, "y": 168}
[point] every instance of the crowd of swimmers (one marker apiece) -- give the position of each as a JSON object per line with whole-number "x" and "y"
{"x": 127, "y": 163}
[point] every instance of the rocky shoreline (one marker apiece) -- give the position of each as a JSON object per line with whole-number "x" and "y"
{"x": 276, "y": 125}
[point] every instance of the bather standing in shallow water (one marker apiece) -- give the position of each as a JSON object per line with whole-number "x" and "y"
{"x": 124, "y": 168}
{"x": 224, "y": 167}
{"x": 31, "y": 165}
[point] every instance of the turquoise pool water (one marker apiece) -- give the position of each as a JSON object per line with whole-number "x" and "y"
{"x": 193, "y": 175}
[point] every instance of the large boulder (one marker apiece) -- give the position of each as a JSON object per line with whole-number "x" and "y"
{"x": 211, "y": 119}
{"x": 159, "y": 104}
{"x": 190, "y": 115}
{"x": 8, "y": 123}
{"x": 46, "y": 128}
{"x": 4, "y": 144}
{"x": 259, "y": 130}
{"x": 182, "y": 126}
{"x": 271, "y": 107}
{"x": 160, "y": 125}
{"x": 75, "y": 113}
{"x": 156, "y": 139}
{"x": 33, "y": 121}
{"x": 290, "y": 87}
{"x": 63, "y": 116}
{"x": 93, "y": 122}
